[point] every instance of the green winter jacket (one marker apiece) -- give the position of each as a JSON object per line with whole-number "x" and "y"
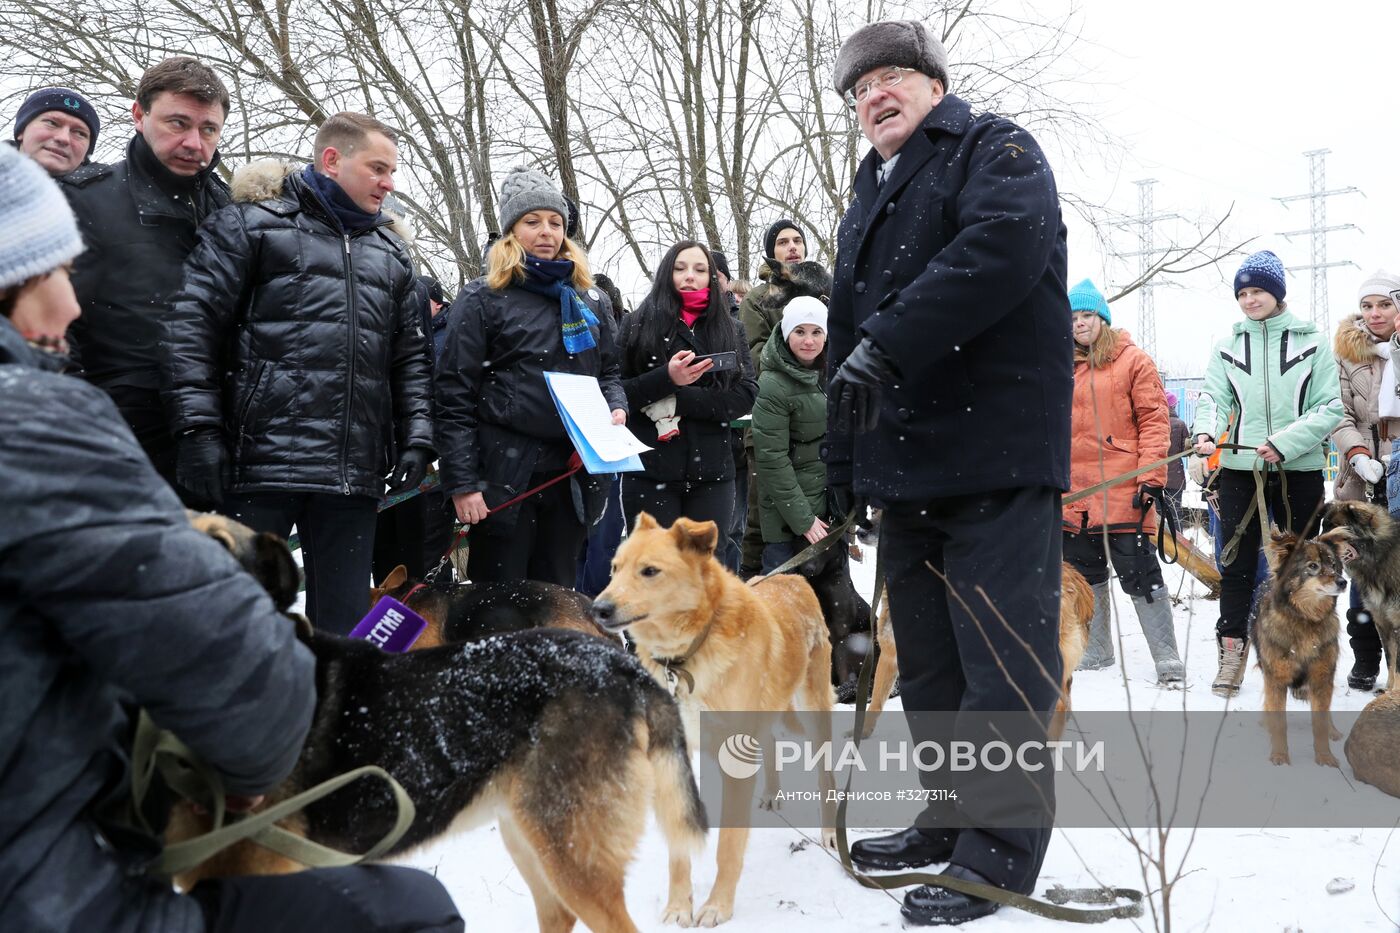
{"x": 1279, "y": 378}
{"x": 789, "y": 422}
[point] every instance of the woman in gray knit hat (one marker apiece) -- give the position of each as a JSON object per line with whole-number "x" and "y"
{"x": 535, "y": 311}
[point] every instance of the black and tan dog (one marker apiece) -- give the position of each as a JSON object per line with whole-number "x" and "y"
{"x": 560, "y": 736}
{"x": 1295, "y": 637}
{"x": 787, "y": 280}
{"x": 1369, "y": 543}
{"x": 463, "y": 612}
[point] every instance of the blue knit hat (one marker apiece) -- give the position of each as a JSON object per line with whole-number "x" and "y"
{"x": 1261, "y": 270}
{"x": 1085, "y": 297}
{"x": 37, "y": 230}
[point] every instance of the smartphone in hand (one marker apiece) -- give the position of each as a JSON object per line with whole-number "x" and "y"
{"x": 723, "y": 362}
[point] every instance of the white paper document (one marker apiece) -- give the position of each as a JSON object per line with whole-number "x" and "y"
{"x": 583, "y": 401}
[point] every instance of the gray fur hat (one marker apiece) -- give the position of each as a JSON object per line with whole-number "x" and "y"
{"x": 526, "y": 190}
{"x": 899, "y": 43}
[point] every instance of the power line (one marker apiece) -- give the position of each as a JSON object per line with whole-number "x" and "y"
{"x": 1147, "y": 254}
{"x": 1317, "y": 205}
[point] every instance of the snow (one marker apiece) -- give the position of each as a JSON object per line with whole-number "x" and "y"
{"x": 1232, "y": 879}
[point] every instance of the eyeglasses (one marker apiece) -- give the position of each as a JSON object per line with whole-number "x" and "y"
{"x": 887, "y": 80}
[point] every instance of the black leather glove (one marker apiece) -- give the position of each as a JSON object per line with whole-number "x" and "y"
{"x": 201, "y": 465}
{"x": 855, "y": 389}
{"x": 412, "y": 467}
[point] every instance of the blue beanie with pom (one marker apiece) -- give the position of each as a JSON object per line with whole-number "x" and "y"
{"x": 1085, "y": 297}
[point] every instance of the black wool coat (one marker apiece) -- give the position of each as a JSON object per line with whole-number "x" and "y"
{"x": 302, "y": 344}
{"x": 138, "y": 223}
{"x": 955, "y": 267}
{"x": 496, "y": 421}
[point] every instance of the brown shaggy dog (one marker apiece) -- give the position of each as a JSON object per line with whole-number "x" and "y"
{"x": 722, "y": 645}
{"x": 1295, "y": 636}
{"x": 1076, "y": 609}
{"x": 1369, "y": 544}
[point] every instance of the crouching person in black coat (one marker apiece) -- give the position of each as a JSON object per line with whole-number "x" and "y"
{"x": 109, "y": 601}
{"x": 297, "y": 360}
{"x": 536, "y": 311}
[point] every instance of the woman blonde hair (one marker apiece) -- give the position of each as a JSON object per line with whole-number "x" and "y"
{"x": 1100, "y": 352}
{"x": 505, "y": 263}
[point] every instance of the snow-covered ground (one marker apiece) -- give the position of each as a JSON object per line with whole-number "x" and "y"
{"x": 1262, "y": 879}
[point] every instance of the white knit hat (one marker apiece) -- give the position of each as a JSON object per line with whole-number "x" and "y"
{"x": 37, "y": 230}
{"x": 804, "y": 309}
{"x": 1380, "y": 283}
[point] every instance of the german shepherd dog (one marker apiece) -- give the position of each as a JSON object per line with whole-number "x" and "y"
{"x": 787, "y": 280}
{"x": 1369, "y": 544}
{"x": 463, "y": 612}
{"x": 738, "y": 648}
{"x": 560, "y": 736}
{"x": 1295, "y": 637}
{"x": 1076, "y": 610}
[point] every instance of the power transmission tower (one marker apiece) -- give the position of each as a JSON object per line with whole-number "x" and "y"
{"x": 1317, "y": 198}
{"x": 1146, "y": 254}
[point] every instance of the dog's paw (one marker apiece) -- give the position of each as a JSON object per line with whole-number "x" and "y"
{"x": 679, "y": 914}
{"x": 1334, "y": 733}
{"x": 1327, "y": 760}
{"x": 713, "y": 914}
{"x": 1279, "y": 758}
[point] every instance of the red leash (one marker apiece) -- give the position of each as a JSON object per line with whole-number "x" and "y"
{"x": 575, "y": 464}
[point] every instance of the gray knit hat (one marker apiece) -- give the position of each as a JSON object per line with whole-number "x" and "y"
{"x": 526, "y": 190}
{"x": 1381, "y": 283}
{"x": 898, "y": 43}
{"x": 37, "y": 230}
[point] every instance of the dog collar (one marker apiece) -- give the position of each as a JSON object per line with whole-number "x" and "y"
{"x": 675, "y": 667}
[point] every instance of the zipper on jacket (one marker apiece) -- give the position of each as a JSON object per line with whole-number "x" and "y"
{"x": 1268, "y": 405}
{"x": 350, "y": 380}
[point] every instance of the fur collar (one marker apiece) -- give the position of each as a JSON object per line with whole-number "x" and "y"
{"x": 265, "y": 179}
{"x": 1354, "y": 342}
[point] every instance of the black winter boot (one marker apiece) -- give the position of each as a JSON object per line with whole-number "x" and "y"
{"x": 1365, "y": 648}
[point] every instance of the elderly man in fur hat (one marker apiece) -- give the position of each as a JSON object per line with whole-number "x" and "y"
{"x": 952, "y": 361}
{"x": 297, "y": 360}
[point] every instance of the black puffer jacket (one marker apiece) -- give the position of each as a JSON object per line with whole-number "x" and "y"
{"x": 496, "y": 421}
{"x": 109, "y": 600}
{"x": 303, "y": 344}
{"x": 138, "y": 221}
{"x": 703, "y": 453}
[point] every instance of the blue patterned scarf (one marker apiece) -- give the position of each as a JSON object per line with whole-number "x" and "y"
{"x": 554, "y": 277}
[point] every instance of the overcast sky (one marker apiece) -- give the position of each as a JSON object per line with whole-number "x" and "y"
{"x": 1218, "y": 101}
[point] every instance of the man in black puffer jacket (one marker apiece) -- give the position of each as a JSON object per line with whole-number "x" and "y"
{"x": 138, "y": 218}
{"x": 297, "y": 362}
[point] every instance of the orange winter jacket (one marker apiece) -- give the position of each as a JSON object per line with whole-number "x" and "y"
{"x": 1120, "y": 422}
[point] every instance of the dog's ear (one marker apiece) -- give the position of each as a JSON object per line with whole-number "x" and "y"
{"x": 396, "y": 578}
{"x": 774, "y": 271}
{"x": 1279, "y": 548}
{"x": 276, "y": 570}
{"x": 1337, "y": 535}
{"x": 645, "y": 521}
{"x": 695, "y": 536}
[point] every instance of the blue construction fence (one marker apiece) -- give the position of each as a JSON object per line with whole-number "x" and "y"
{"x": 1188, "y": 390}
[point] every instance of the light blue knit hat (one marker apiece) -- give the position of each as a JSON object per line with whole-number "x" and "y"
{"x": 37, "y": 230}
{"x": 1085, "y": 297}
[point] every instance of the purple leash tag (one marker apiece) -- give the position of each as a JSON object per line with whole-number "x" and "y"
{"x": 390, "y": 626}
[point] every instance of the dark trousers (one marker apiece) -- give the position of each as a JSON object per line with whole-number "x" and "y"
{"x": 732, "y": 539}
{"x": 1297, "y": 511}
{"x": 1007, "y": 543}
{"x": 1361, "y": 629}
{"x": 541, "y": 542}
{"x": 666, "y": 502}
{"x": 1139, "y": 572}
{"x": 751, "y": 548}
{"x": 337, "y": 547}
{"x": 413, "y": 533}
{"x": 145, "y": 415}
{"x": 595, "y": 563}
{"x": 356, "y": 899}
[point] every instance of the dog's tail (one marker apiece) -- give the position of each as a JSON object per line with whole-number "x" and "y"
{"x": 679, "y": 810}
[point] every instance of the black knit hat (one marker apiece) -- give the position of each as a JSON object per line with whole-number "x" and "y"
{"x": 721, "y": 262}
{"x": 770, "y": 239}
{"x": 434, "y": 288}
{"x": 58, "y": 98}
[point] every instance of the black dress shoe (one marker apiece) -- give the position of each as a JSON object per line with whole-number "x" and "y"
{"x": 912, "y": 848}
{"x": 928, "y": 905}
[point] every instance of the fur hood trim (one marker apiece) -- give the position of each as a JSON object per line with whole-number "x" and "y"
{"x": 1354, "y": 342}
{"x": 264, "y": 180}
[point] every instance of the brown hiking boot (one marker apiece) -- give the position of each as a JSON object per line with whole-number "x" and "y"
{"x": 1232, "y": 657}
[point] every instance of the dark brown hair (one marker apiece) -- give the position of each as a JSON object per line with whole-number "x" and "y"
{"x": 181, "y": 75}
{"x": 347, "y": 131}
